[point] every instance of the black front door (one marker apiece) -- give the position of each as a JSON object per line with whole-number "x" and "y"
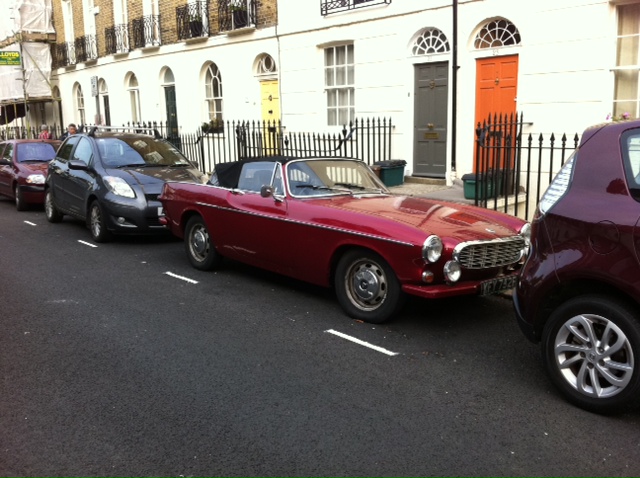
{"x": 172, "y": 116}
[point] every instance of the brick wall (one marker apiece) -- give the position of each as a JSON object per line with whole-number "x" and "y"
{"x": 267, "y": 16}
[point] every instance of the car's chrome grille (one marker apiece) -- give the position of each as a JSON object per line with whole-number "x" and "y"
{"x": 488, "y": 254}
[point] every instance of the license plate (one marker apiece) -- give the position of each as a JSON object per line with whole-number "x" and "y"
{"x": 499, "y": 284}
{"x": 160, "y": 211}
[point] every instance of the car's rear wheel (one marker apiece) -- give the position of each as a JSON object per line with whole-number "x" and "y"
{"x": 50, "y": 209}
{"x": 98, "y": 224}
{"x": 199, "y": 247}
{"x": 21, "y": 205}
{"x": 366, "y": 287}
{"x": 589, "y": 347}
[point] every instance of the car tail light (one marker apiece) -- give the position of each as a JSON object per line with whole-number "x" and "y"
{"x": 558, "y": 186}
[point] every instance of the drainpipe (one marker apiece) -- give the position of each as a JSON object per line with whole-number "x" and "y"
{"x": 454, "y": 88}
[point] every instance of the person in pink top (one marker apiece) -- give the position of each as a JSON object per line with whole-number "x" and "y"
{"x": 44, "y": 132}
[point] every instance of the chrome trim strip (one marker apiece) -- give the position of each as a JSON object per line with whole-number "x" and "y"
{"x": 329, "y": 228}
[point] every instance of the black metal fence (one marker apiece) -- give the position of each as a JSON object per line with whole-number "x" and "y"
{"x": 368, "y": 140}
{"x": 511, "y": 172}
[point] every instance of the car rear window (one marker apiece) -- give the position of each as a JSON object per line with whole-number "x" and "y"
{"x": 35, "y": 152}
{"x": 631, "y": 158}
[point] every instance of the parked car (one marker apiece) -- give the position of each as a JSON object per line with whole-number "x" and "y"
{"x": 112, "y": 178}
{"x": 579, "y": 291}
{"x": 23, "y": 169}
{"x": 330, "y": 221}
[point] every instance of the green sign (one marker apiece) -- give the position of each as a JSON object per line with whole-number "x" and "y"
{"x": 10, "y": 58}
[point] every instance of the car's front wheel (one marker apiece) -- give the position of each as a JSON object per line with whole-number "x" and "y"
{"x": 50, "y": 209}
{"x": 98, "y": 223}
{"x": 21, "y": 205}
{"x": 589, "y": 347}
{"x": 366, "y": 287}
{"x": 199, "y": 247}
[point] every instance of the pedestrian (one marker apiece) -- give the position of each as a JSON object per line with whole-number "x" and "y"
{"x": 71, "y": 129}
{"x": 44, "y": 132}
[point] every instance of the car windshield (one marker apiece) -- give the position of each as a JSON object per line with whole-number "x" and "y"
{"x": 139, "y": 152}
{"x": 331, "y": 177}
{"x": 35, "y": 152}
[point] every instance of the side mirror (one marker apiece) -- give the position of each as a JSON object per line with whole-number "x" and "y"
{"x": 266, "y": 191}
{"x": 5, "y": 162}
{"x": 78, "y": 165}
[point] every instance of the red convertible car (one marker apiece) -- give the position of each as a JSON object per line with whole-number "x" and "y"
{"x": 331, "y": 222}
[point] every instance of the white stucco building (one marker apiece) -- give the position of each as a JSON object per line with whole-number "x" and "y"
{"x": 435, "y": 67}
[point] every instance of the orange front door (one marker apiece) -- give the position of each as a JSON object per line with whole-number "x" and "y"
{"x": 496, "y": 88}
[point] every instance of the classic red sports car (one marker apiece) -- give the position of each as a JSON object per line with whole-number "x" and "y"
{"x": 332, "y": 222}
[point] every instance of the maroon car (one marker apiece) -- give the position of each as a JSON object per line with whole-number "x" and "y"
{"x": 23, "y": 169}
{"x": 579, "y": 292}
{"x": 331, "y": 222}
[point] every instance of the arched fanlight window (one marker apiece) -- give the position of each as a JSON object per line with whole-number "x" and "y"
{"x": 213, "y": 92}
{"x": 497, "y": 33}
{"x": 431, "y": 41}
{"x": 266, "y": 65}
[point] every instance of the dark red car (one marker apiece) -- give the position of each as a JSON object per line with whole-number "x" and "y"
{"x": 23, "y": 169}
{"x": 579, "y": 291}
{"x": 331, "y": 222}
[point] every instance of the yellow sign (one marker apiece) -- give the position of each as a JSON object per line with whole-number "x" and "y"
{"x": 432, "y": 136}
{"x": 10, "y": 58}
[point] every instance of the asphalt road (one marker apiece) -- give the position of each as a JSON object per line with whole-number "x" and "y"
{"x": 110, "y": 366}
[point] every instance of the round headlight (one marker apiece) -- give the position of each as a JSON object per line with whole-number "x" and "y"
{"x": 432, "y": 249}
{"x": 452, "y": 271}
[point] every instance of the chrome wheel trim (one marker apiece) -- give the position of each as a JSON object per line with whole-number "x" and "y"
{"x": 96, "y": 221}
{"x": 594, "y": 356}
{"x": 199, "y": 243}
{"x": 366, "y": 284}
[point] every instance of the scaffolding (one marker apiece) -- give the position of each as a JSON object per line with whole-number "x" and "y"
{"x": 26, "y": 31}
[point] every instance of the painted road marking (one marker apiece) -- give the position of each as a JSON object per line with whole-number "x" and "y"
{"x": 87, "y": 243}
{"x": 186, "y": 279}
{"x": 361, "y": 342}
{"x": 30, "y": 223}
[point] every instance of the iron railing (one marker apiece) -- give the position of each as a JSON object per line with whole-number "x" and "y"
{"x": 336, "y": 6}
{"x": 145, "y": 31}
{"x": 64, "y": 54}
{"x": 236, "y": 14}
{"x": 193, "y": 20}
{"x": 86, "y": 48}
{"x": 511, "y": 172}
{"x": 368, "y": 140}
{"x": 116, "y": 39}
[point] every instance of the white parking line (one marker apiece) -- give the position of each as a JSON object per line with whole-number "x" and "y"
{"x": 30, "y": 223}
{"x": 87, "y": 243}
{"x": 186, "y": 279}
{"x": 360, "y": 342}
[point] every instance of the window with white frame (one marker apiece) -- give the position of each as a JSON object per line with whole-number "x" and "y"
{"x": 80, "y": 103}
{"x": 627, "y": 88}
{"x": 213, "y": 93}
{"x": 134, "y": 98}
{"x": 339, "y": 84}
{"x": 67, "y": 20}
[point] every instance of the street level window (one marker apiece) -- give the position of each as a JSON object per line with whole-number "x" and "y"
{"x": 339, "y": 84}
{"x": 80, "y": 103}
{"x": 134, "y": 98}
{"x": 627, "y": 88}
{"x": 213, "y": 93}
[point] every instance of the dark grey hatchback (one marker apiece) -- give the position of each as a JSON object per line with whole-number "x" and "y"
{"x": 112, "y": 178}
